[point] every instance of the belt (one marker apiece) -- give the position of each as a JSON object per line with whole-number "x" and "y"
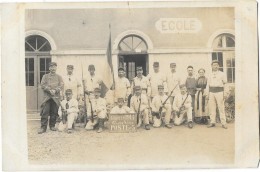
{"x": 216, "y": 89}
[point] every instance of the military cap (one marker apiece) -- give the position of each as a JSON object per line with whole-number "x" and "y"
{"x": 160, "y": 87}
{"x": 68, "y": 91}
{"x": 52, "y": 64}
{"x": 156, "y": 64}
{"x": 120, "y": 98}
{"x": 91, "y": 67}
{"x": 139, "y": 68}
{"x": 137, "y": 87}
{"x": 70, "y": 67}
{"x": 97, "y": 90}
{"x": 173, "y": 64}
{"x": 121, "y": 68}
{"x": 182, "y": 85}
{"x": 214, "y": 61}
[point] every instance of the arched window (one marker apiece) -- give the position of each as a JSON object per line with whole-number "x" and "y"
{"x": 36, "y": 43}
{"x": 224, "y": 51}
{"x": 37, "y": 50}
{"x": 132, "y": 44}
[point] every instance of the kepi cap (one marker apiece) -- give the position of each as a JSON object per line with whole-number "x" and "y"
{"x": 91, "y": 67}
{"x": 156, "y": 64}
{"x": 68, "y": 91}
{"x": 139, "y": 68}
{"x": 97, "y": 90}
{"x": 70, "y": 67}
{"x": 52, "y": 64}
{"x": 173, "y": 64}
{"x": 137, "y": 87}
{"x": 214, "y": 61}
{"x": 160, "y": 87}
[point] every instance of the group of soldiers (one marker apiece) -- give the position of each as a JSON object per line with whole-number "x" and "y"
{"x": 156, "y": 99}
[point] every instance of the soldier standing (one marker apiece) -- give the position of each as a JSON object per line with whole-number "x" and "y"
{"x": 91, "y": 82}
{"x": 52, "y": 85}
{"x": 191, "y": 86}
{"x": 139, "y": 103}
{"x": 97, "y": 106}
{"x": 122, "y": 85}
{"x": 172, "y": 79}
{"x": 72, "y": 82}
{"x": 215, "y": 85}
{"x": 157, "y": 103}
{"x": 157, "y": 78}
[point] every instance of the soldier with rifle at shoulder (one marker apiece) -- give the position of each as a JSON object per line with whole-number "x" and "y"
{"x": 139, "y": 103}
{"x": 182, "y": 107}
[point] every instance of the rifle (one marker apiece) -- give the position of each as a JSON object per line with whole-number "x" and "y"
{"x": 138, "y": 113}
{"x": 182, "y": 106}
{"x": 64, "y": 116}
{"x": 84, "y": 95}
{"x": 160, "y": 109}
{"x": 91, "y": 110}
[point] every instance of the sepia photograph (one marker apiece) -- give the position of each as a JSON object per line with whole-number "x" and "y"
{"x": 132, "y": 85}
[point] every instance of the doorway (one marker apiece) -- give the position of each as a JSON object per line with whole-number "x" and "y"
{"x": 37, "y": 58}
{"x": 131, "y": 61}
{"x": 132, "y": 53}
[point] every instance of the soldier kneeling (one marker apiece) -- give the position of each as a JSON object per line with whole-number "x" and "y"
{"x": 182, "y": 107}
{"x": 161, "y": 107}
{"x": 68, "y": 112}
{"x": 139, "y": 103}
{"x": 96, "y": 112}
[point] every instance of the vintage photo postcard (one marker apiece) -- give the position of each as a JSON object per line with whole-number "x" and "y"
{"x": 130, "y": 85}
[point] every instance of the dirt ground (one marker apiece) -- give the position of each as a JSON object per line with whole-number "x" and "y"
{"x": 157, "y": 148}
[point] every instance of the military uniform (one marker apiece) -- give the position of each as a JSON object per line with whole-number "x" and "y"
{"x": 173, "y": 81}
{"x": 157, "y": 102}
{"x": 73, "y": 83}
{"x": 155, "y": 80}
{"x": 215, "y": 86}
{"x": 192, "y": 89}
{"x": 52, "y": 85}
{"x": 122, "y": 110}
{"x": 135, "y": 104}
{"x": 71, "y": 107}
{"x": 144, "y": 83}
{"x": 122, "y": 87}
{"x": 186, "y": 112}
{"x": 99, "y": 112}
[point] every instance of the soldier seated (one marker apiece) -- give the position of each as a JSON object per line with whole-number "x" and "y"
{"x": 161, "y": 107}
{"x": 139, "y": 104}
{"x": 120, "y": 108}
{"x": 182, "y": 107}
{"x": 68, "y": 112}
{"x": 96, "y": 112}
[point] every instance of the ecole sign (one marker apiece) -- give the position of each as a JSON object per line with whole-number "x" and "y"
{"x": 178, "y": 25}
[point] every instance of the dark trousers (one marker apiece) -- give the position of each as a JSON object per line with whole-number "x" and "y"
{"x": 193, "y": 105}
{"x": 49, "y": 108}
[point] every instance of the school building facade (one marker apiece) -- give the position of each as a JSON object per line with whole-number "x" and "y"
{"x": 139, "y": 36}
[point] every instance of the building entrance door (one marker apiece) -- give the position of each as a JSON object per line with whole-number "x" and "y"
{"x": 131, "y": 61}
{"x": 37, "y": 58}
{"x": 133, "y": 53}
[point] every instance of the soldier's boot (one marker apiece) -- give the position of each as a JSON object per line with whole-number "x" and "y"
{"x": 100, "y": 125}
{"x": 41, "y": 131}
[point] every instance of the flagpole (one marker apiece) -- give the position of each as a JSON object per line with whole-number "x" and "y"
{"x": 112, "y": 69}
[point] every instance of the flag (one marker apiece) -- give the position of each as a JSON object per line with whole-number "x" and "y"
{"x": 108, "y": 72}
